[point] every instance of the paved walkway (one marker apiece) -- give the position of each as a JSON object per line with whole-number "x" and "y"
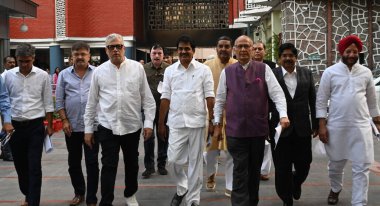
{"x": 158, "y": 190}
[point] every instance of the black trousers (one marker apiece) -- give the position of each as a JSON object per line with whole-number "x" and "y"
{"x": 291, "y": 151}
{"x": 247, "y": 155}
{"x": 111, "y": 145}
{"x": 75, "y": 145}
{"x": 162, "y": 149}
{"x": 26, "y": 144}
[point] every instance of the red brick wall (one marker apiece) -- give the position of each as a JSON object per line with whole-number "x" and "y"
{"x": 41, "y": 27}
{"x": 98, "y": 18}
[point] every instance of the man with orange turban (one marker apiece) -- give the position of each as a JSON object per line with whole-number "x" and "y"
{"x": 347, "y": 133}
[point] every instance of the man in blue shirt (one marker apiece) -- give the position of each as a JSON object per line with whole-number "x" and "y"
{"x": 71, "y": 99}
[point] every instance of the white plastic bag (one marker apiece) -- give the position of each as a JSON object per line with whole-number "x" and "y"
{"x": 318, "y": 148}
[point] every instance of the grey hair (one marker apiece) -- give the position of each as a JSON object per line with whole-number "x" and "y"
{"x": 25, "y": 49}
{"x": 112, "y": 37}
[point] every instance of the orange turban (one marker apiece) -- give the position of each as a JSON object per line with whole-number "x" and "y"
{"x": 347, "y": 41}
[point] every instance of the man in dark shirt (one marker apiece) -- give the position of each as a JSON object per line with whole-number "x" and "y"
{"x": 155, "y": 74}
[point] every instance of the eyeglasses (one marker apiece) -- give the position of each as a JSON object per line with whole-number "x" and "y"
{"x": 117, "y": 46}
{"x": 241, "y": 46}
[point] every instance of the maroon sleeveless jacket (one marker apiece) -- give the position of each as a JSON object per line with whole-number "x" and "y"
{"x": 247, "y": 100}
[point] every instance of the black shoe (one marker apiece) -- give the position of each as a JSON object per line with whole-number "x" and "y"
{"x": 333, "y": 198}
{"x": 148, "y": 172}
{"x": 297, "y": 191}
{"x": 194, "y": 204}
{"x": 288, "y": 204}
{"x": 176, "y": 201}
{"x": 162, "y": 171}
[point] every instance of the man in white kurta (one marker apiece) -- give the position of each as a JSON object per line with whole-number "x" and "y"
{"x": 187, "y": 84}
{"x": 347, "y": 133}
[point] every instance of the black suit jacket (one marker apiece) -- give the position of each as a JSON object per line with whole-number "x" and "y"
{"x": 300, "y": 108}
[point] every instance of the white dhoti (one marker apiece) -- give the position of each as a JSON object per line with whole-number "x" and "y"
{"x": 360, "y": 175}
{"x": 267, "y": 160}
{"x": 212, "y": 166}
{"x": 186, "y": 146}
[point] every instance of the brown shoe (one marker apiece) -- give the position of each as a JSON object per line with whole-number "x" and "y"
{"x": 24, "y": 203}
{"x": 333, "y": 198}
{"x": 78, "y": 199}
{"x": 264, "y": 177}
{"x": 210, "y": 185}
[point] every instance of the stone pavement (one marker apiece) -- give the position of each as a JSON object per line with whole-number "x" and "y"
{"x": 158, "y": 190}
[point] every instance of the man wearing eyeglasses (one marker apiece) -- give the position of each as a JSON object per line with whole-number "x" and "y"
{"x": 120, "y": 89}
{"x": 31, "y": 103}
{"x": 155, "y": 74}
{"x": 258, "y": 55}
{"x": 214, "y": 146}
{"x": 243, "y": 92}
{"x": 71, "y": 98}
{"x": 187, "y": 84}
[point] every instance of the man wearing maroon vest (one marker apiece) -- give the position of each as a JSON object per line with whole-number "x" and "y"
{"x": 243, "y": 91}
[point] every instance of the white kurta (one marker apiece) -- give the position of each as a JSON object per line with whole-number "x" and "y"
{"x": 352, "y": 103}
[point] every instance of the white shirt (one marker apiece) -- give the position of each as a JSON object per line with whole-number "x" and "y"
{"x": 187, "y": 90}
{"x": 352, "y": 98}
{"x": 274, "y": 90}
{"x": 290, "y": 80}
{"x": 122, "y": 94}
{"x": 30, "y": 95}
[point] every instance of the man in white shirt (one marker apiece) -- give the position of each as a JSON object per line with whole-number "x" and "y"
{"x": 31, "y": 102}
{"x": 258, "y": 55}
{"x": 121, "y": 89}
{"x": 187, "y": 83}
{"x": 243, "y": 91}
{"x": 347, "y": 134}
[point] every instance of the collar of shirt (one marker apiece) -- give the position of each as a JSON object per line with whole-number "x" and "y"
{"x": 284, "y": 72}
{"x": 245, "y": 66}
{"x": 191, "y": 65}
{"x": 353, "y": 69}
{"x": 17, "y": 70}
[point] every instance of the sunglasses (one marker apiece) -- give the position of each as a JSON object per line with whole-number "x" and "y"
{"x": 117, "y": 46}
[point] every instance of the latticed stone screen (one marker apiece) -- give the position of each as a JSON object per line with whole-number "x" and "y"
{"x": 187, "y": 14}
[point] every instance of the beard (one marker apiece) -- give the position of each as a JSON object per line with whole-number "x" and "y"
{"x": 350, "y": 60}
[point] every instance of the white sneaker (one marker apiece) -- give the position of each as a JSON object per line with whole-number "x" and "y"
{"x": 131, "y": 201}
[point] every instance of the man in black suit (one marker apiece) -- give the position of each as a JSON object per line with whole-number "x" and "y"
{"x": 294, "y": 145}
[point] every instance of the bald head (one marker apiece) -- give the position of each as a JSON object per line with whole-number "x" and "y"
{"x": 243, "y": 49}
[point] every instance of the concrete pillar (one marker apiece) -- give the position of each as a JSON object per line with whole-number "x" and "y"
{"x": 4, "y": 37}
{"x": 56, "y": 58}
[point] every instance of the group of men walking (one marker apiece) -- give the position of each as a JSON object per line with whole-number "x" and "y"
{"x": 222, "y": 105}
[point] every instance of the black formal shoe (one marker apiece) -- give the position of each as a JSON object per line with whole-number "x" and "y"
{"x": 333, "y": 198}
{"x": 148, "y": 172}
{"x": 297, "y": 191}
{"x": 162, "y": 171}
{"x": 8, "y": 158}
{"x": 176, "y": 201}
{"x": 288, "y": 204}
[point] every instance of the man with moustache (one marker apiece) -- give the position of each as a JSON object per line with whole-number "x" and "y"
{"x": 347, "y": 134}
{"x": 155, "y": 74}
{"x": 120, "y": 89}
{"x": 31, "y": 103}
{"x": 6, "y": 152}
{"x": 224, "y": 58}
{"x": 293, "y": 149}
{"x": 258, "y": 55}
{"x": 243, "y": 92}
{"x": 187, "y": 84}
{"x": 71, "y": 99}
